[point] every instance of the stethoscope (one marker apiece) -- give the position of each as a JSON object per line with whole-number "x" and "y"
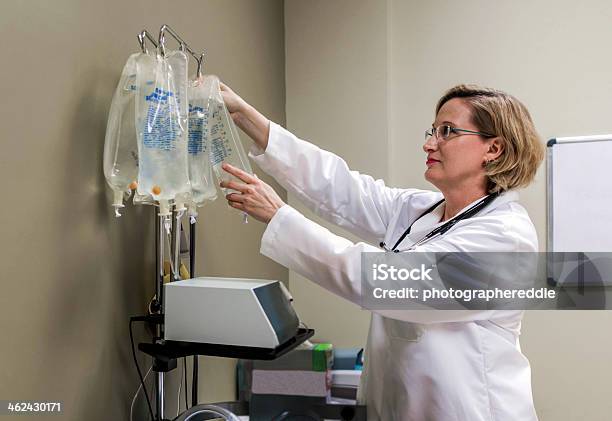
{"x": 442, "y": 229}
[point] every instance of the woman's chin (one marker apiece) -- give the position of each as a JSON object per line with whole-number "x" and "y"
{"x": 432, "y": 175}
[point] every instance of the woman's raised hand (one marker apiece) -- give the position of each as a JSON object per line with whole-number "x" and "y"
{"x": 234, "y": 103}
{"x": 251, "y": 121}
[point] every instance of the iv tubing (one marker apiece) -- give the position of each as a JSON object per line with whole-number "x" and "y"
{"x": 177, "y": 245}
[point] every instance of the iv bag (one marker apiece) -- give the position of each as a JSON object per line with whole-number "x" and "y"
{"x": 198, "y": 159}
{"x": 141, "y": 199}
{"x": 161, "y": 128}
{"x": 223, "y": 136}
{"x": 120, "y": 146}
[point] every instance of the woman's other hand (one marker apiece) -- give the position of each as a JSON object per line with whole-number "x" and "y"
{"x": 253, "y": 196}
{"x": 251, "y": 121}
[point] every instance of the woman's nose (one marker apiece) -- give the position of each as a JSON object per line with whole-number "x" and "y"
{"x": 430, "y": 144}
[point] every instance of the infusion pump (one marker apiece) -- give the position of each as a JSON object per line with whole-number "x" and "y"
{"x": 229, "y": 311}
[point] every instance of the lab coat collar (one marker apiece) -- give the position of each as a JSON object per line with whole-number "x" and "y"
{"x": 503, "y": 198}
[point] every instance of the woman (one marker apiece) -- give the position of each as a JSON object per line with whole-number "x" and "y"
{"x": 419, "y": 365}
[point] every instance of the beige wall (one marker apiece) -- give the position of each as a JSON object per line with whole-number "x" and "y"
{"x": 363, "y": 78}
{"x": 72, "y": 274}
{"x": 336, "y": 97}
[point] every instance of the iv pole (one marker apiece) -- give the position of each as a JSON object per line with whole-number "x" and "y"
{"x": 159, "y": 367}
{"x": 166, "y": 353}
{"x": 194, "y": 378}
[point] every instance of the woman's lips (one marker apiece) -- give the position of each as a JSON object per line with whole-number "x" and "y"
{"x": 431, "y": 161}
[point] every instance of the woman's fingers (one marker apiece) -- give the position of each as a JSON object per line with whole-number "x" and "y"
{"x": 237, "y": 205}
{"x": 224, "y": 87}
{"x": 235, "y": 185}
{"x": 237, "y": 172}
{"x": 255, "y": 197}
{"x": 233, "y": 102}
{"x": 235, "y": 197}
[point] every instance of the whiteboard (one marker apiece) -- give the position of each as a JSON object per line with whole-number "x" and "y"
{"x": 579, "y": 196}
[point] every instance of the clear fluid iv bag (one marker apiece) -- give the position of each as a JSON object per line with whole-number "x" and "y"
{"x": 224, "y": 140}
{"x": 200, "y": 170}
{"x": 161, "y": 128}
{"x": 142, "y": 199}
{"x": 120, "y": 146}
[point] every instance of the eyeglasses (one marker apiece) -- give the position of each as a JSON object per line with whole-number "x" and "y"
{"x": 444, "y": 131}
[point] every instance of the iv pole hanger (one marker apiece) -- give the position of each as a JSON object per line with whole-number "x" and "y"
{"x": 183, "y": 46}
{"x": 142, "y": 36}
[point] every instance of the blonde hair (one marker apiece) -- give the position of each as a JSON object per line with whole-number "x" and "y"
{"x": 502, "y": 115}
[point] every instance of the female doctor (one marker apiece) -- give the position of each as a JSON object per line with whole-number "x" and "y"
{"x": 463, "y": 365}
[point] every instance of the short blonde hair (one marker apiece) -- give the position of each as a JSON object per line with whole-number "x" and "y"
{"x": 502, "y": 115}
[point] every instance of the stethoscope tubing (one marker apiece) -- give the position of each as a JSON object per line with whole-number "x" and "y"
{"x": 443, "y": 229}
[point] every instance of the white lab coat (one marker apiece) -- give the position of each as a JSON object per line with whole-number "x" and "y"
{"x": 420, "y": 365}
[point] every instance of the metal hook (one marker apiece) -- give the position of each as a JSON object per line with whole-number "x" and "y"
{"x": 200, "y": 62}
{"x": 182, "y": 45}
{"x": 177, "y": 37}
{"x": 141, "y": 40}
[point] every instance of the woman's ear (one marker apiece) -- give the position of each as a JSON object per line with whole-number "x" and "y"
{"x": 496, "y": 148}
